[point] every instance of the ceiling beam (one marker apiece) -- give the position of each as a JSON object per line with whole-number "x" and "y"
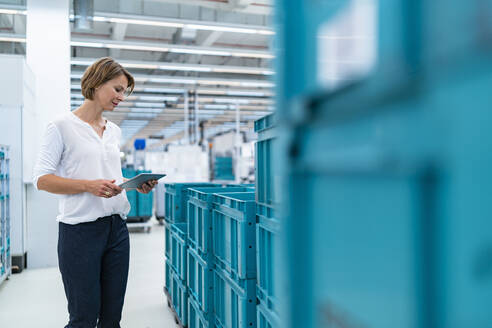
{"x": 257, "y": 8}
{"x": 136, "y": 18}
{"x": 180, "y": 66}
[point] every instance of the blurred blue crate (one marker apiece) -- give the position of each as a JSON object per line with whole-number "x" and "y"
{"x": 200, "y": 203}
{"x": 200, "y": 280}
{"x": 176, "y": 199}
{"x": 178, "y": 249}
{"x": 247, "y": 185}
{"x": 196, "y": 318}
{"x": 267, "y": 238}
{"x": 234, "y": 301}
{"x": 180, "y": 299}
{"x": 145, "y": 204}
{"x": 223, "y": 168}
{"x": 234, "y": 220}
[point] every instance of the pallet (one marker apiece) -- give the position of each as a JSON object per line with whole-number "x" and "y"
{"x": 173, "y": 311}
{"x": 145, "y": 226}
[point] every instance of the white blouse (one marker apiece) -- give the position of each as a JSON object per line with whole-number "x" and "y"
{"x": 72, "y": 149}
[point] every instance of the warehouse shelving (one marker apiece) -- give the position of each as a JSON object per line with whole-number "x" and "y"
{"x": 5, "y": 252}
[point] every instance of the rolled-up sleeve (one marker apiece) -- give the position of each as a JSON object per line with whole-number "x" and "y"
{"x": 49, "y": 154}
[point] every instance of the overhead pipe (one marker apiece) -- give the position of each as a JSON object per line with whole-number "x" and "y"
{"x": 83, "y": 14}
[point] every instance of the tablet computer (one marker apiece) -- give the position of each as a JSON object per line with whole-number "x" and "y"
{"x": 139, "y": 180}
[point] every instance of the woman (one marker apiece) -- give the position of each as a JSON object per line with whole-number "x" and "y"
{"x": 80, "y": 160}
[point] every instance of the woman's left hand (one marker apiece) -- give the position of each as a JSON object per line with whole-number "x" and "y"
{"x": 147, "y": 187}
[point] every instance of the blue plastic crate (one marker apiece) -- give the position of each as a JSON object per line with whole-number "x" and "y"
{"x": 200, "y": 280}
{"x": 223, "y": 168}
{"x": 200, "y": 203}
{"x": 145, "y": 204}
{"x": 145, "y": 201}
{"x": 167, "y": 240}
{"x": 234, "y": 301}
{"x": 133, "y": 200}
{"x": 265, "y": 178}
{"x": 178, "y": 249}
{"x": 267, "y": 261}
{"x": 266, "y": 318}
{"x": 247, "y": 185}
{"x": 196, "y": 318}
{"x": 180, "y": 299}
{"x": 176, "y": 199}
{"x": 169, "y": 276}
{"x": 234, "y": 221}
{"x": 132, "y": 195}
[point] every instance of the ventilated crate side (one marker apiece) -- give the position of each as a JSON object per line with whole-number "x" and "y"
{"x": 234, "y": 219}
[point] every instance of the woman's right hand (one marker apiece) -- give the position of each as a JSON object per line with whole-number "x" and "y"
{"x": 103, "y": 188}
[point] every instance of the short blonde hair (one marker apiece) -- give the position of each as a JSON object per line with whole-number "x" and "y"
{"x": 100, "y": 72}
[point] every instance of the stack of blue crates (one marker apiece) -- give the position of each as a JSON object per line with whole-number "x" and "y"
{"x": 176, "y": 245}
{"x": 140, "y": 204}
{"x": 267, "y": 227}
{"x": 223, "y": 168}
{"x": 201, "y": 261}
{"x": 234, "y": 246}
{"x": 5, "y": 255}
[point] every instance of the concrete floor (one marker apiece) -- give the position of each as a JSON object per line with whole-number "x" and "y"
{"x": 35, "y": 298}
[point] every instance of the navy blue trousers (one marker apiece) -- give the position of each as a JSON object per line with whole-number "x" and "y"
{"x": 94, "y": 260}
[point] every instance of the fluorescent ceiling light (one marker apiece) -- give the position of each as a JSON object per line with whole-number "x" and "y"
{"x": 12, "y": 37}
{"x": 196, "y": 68}
{"x": 108, "y": 44}
{"x": 181, "y": 23}
{"x": 12, "y": 11}
{"x": 136, "y": 21}
{"x": 247, "y": 54}
{"x": 163, "y": 90}
{"x": 201, "y": 52}
{"x": 181, "y": 67}
{"x": 247, "y": 93}
{"x": 157, "y": 98}
{"x": 230, "y": 101}
{"x": 222, "y": 28}
{"x": 148, "y": 46}
{"x": 213, "y": 106}
{"x": 246, "y": 70}
{"x": 170, "y": 80}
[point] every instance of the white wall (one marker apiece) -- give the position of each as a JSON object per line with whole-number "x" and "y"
{"x": 17, "y": 117}
{"x": 48, "y": 55}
